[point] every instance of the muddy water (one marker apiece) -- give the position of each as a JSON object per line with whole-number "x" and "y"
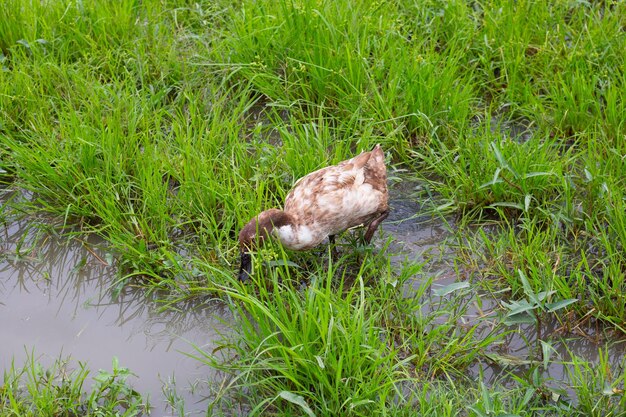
{"x": 55, "y": 303}
{"x": 418, "y": 237}
{"x": 430, "y": 240}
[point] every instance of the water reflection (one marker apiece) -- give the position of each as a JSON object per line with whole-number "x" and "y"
{"x": 55, "y": 300}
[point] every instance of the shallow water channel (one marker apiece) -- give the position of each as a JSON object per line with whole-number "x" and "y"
{"x": 56, "y": 302}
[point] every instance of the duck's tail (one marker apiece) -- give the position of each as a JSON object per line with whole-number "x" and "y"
{"x": 377, "y": 158}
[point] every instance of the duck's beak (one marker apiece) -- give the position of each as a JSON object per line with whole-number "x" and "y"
{"x": 245, "y": 270}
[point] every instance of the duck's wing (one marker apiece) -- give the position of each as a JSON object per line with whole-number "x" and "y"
{"x": 366, "y": 168}
{"x": 303, "y": 199}
{"x": 326, "y": 180}
{"x": 351, "y": 188}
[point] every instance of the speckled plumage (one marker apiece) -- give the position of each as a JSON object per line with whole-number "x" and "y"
{"x": 324, "y": 203}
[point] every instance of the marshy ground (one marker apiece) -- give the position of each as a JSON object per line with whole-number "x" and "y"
{"x": 143, "y": 135}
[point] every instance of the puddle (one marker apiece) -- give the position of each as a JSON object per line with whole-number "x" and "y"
{"x": 423, "y": 238}
{"x": 416, "y": 237}
{"x": 54, "y": 302}
{"x": 513, "y": 358}
{"x": 503, "y": 123}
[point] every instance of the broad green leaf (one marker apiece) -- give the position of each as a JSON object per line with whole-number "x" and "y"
{"x": 552, "y": 307}
{"x": 489, "y": 184}
{"x": 297, "y": 400}
{"x": 282, "y": 262}
{"x": 320, "y": 362}
{"x": 537, "y": 174}
{"x": 547, "y": 349}
{"x": 503, "y": 163}
{"x": 359, "y": 403}
{"x": 498, "y": 155}
{"x": 442, "y": 292}
{"x": 508, "y": 204}
{"x": 544, "y": 294}
{"x": 522, "y": 318}
{"x": 496, "y": 175}
{"x": 495, "y": 180}
{"x": 525, "y": 284}
{"x": 518, "y": 307}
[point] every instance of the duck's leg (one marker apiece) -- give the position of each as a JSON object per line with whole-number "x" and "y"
{"x": 373, "y": 226}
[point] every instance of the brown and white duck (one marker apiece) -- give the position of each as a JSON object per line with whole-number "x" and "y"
{"x": 322, "y": 204}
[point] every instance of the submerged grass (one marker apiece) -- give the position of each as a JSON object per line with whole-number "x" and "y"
{"x": 164, "y": 126}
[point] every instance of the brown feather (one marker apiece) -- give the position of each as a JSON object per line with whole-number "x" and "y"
{"x": 327, "y": 202}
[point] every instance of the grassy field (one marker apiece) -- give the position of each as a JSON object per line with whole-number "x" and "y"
{"x": 165, "y": 125}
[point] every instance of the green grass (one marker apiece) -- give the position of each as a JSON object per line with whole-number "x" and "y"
{"x": 341, "y": 347}
{"x": 165, "y": 125}
{"x": 60, "y": 390}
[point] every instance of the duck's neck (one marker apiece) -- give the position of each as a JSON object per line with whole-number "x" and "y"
{"x": 284, "y": 226}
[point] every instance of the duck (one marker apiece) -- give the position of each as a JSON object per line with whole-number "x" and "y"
{"x": 322, "y": 204}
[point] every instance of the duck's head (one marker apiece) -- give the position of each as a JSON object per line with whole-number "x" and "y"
{"x": 254, "y": 233}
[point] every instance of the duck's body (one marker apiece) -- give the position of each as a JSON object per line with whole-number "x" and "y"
{"x": 322, "y": 204}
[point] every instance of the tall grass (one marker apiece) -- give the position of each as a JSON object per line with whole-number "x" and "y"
{"x": 345, "y": 57}
{"x": 338, "y": 347}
